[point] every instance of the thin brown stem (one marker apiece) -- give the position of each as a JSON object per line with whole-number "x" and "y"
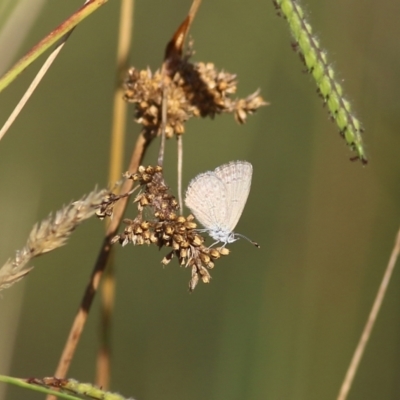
{"x": 164, "y": 106}
{"x": 180, "y": 162}
{"x": 120, "y": 106}
{"x": 355, "y": 361}
{"x": 192, "y": 12}
{"x": 103, "y": 366}
{"x": 99, "y": 267}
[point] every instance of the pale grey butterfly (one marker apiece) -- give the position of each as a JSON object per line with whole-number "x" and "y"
{"x": 217, "y": 199}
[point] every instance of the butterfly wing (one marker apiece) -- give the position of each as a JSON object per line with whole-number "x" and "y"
{"x": 236, "y": 176}
{"x": 206, "y": 199}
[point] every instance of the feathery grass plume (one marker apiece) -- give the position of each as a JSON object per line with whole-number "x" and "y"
{"x": 317, "y": 65}
{"x": 163, "y": 227}
{"x": 51, "y": 233}
{"x": 193, "y": 90}
{"x": 72, "y": 386}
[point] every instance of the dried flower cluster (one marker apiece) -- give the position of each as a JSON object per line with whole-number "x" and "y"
{"x": 166, "y": 227}
{"x": 191, "y": 90}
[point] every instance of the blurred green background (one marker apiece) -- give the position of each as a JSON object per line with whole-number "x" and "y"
{"x": 277, "y": 323}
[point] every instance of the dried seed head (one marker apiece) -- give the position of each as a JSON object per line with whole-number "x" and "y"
{"x": 190, "y": 225}
{"x": 204, "y": 258}
{"x": 197, "y": 240}
{"x": 145, "y": 225}
{"x": 167, "y": 228}
{"x": 115, "y": 239}
{"x": 215, "y": 254}
{"x": 178, "y": 238}
{"x": 223, "y": 251}
{"x": 181, "y": 219}
{"x": 183, "y": 253}
{"x": 193, "y": 90}
{"x": 166, "y": 260}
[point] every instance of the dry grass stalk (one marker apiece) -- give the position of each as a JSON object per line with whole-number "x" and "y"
{"x": 117, "y": 149}
{"x": 101, "y": 262}
{"x": 373, "y": 315}
{"x": 34, "y": 84}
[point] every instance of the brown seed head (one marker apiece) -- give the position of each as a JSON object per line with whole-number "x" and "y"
{"x": 193, "y": 90}
{"x": 166, "y": 228}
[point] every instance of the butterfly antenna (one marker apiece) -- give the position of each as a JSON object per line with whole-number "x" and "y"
{"x": 251, "y": 241}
